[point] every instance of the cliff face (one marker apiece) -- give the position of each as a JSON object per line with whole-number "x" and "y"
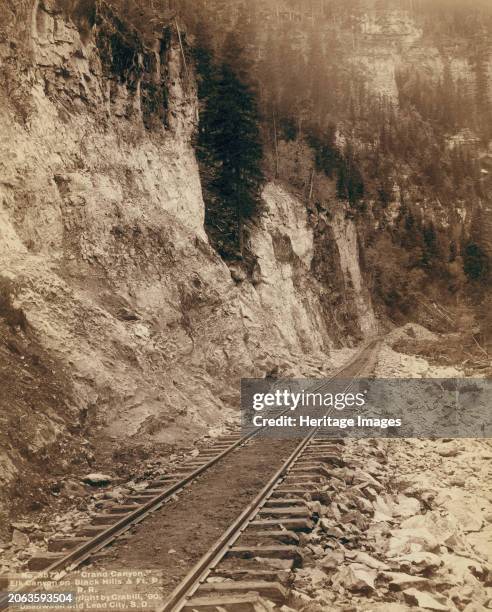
{"x": 390, "y": 40}
{"x": 121, "y": 303}
{"x": 385, "y": 41}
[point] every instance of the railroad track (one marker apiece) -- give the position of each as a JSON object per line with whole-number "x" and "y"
{"x": 254, "y": 557}
{"x": 65, "y": 554}
{"x": 114, "y": 520}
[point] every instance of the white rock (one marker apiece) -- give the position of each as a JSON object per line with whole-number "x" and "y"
{"x": 364, "y": 477}
{"x": 406, "y": 506}
{"x": 355, "y": 577}
{"x": 405, "y": 581}
{"x": 97, "y": 479}
{"x": 141, "y": 331}
{"x": 461, "y": 567}
{"x": 469, "y": 518}
{"x": 424, "y": 600}
{"x": 19, "y": 538}
{"x": 312, "y": 575}
{"x": 412, "y": 540}
{"x": 421, "y": 560}
{"x": 365, "y": 559}
{"x": 448, "y": 451}
{"x": 415, "y": 522}
{"x": 381, "y": 506}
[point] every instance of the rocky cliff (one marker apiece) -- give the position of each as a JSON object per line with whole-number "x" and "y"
{"x": 112, "y": 299}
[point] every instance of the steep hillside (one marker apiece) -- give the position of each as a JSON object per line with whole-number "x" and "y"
{"x": 381, "y": 108}
{"x": 121, "y": 302}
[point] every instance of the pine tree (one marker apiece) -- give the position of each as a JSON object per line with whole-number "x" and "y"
{"x": 482, "y": 93}
{"x": 350, "y": 183}
{"x": 238, "y": 148}
{"x": 475, "y": 262}
{"x": 229, "y": 149}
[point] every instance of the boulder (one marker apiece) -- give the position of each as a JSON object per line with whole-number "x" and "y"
{"x": 406, "y": 506}
{"x": 448, "y": 451}
{"x": 332, "y": 532}
{"x": 412, "y": 540}
{"x": 310, "y": 578}
{"x": 97, "y": 479}
{"x": 332, "y": 560}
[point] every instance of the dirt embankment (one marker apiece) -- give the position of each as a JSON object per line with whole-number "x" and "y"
{"x": 415, "y": 352}
{"x": 41, "y": 427}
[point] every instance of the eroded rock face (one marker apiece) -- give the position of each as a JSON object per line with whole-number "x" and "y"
{"x": 101, "y": 235}
{"x": 297, "y": 298}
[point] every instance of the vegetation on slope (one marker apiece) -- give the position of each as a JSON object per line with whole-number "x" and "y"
{"x": 420, "y": 149}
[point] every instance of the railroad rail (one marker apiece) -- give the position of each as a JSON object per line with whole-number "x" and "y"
{"x": 229, "y": 575}
{"x": 65, "y": 554}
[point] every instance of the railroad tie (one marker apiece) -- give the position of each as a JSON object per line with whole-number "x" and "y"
{"x": 276, "y": 502}
{"x": 268, "y": 575}
{"x": 140, "y": 499}
{"x": 309, "y": 485}
{"x": 274, "y": 591}
{"x": 251, "y": 602}
{"x": 289, "y": 491}
{"x": 106, "y": 519}
{"x": 175, "y": 475}
{"x": 42, "y": 560}
{"x": 287, "y": 511}
{"x": 292, "y": 524}
{"x": 220, "y": 446}
{"x": 62, "y": 544}
{"x": 275, "y": 552}
{"x": 277, "y": 535}
{"x": 329, "y": 458}
{"x": 311, "y": 468}
{"x": 121, "y": 508}
{"x": 90, "y": 530}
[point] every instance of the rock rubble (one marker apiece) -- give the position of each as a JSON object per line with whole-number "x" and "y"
{"x": 393, "y": 536}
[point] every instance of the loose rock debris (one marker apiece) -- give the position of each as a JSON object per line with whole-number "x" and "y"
{"x": 398, "y": 535}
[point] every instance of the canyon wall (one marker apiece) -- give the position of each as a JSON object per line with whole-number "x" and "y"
{"x": 111, "y": 294}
